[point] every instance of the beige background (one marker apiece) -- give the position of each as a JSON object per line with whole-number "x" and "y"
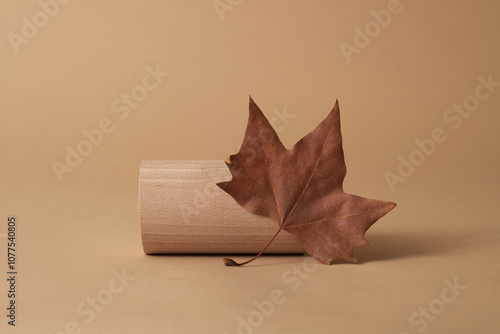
{"x": 287, "y": 55}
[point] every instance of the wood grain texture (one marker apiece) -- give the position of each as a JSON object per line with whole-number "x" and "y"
{"x": 181, "y": 210}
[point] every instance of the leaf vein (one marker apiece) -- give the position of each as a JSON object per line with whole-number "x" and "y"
{"x": 310, "y": 178}
{"x": 333, "y": 218}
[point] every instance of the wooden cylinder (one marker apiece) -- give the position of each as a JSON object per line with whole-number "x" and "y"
{"x": 182, "y": 210}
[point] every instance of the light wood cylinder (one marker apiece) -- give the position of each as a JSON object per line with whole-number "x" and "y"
{"x": 182, "y": 210}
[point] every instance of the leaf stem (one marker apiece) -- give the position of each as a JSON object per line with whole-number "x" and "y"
{"x": 230, "y": 262}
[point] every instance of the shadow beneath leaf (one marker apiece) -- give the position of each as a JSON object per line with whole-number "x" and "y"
{"x": 384, "y": 247}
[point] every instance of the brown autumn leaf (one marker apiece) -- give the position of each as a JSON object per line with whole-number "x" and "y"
{"x": 301, "y": 188}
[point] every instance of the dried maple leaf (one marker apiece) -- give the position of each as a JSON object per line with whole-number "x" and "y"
{"x": 301, "y": 188}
